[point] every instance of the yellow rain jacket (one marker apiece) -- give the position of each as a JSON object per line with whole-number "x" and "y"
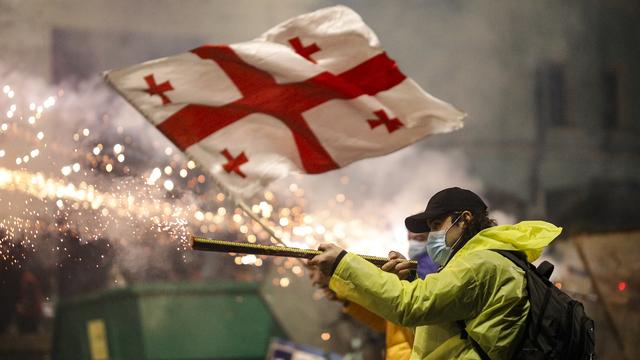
{"x": 479, "y": 286}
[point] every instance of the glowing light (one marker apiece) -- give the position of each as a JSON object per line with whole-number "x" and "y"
{"x": 109, "y": 167}
{"x": 32, "y": 106}
{"x": 248, "y": 259}
{"x": 60, "y": 203}
{"x": 168, "y": 151}
{"x": 155, "y": 175}
{"x": 183, "y": 173}
{"x": 40, "y": 135}
{"x": 18, "y": 161}
{"x": 168, "y": 184}
{"x": 2, "y": 153}
{"x": 168, "y": 170}
{"x": 622, "y": 285}
{"x": 191, "y": 165}
{"x": 222, "y": 211}
{"x": 284, "y": 221}
{"x": 9, "y": 114}
{"x": 11, "y": 94}
{"x": 85, "y": 132}
{"x": 66, "y": 170}
{"x": 325, "y": 336}
{"x": 199, "y": 216}
{"x": 32, "y": 120}
{"x": 117, "y": 148}
{"x": 340, "y": 198}
{"x": 6, "y": 89}
{"x": 284, "y": 282}
{"x": 35, "y": 153}
{"x": 49, "y": 102}
{"x": 251, "y": 238}
{"x": 265, "y": 209}
{"x": 121, "y": 158}
{"x": 75, "y": 167}
{"x": 12, "y": 107}
{"x": 4, "y": 127}
{"x": 96, "y": 151}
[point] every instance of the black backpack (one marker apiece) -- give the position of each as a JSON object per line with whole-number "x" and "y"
{"x": 557, "y": 326}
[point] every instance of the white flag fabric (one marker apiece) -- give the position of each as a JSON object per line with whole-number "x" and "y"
{"x": 313, "y": 94}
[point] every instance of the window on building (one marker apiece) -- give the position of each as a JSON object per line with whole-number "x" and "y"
{"x": 551, "y": 94}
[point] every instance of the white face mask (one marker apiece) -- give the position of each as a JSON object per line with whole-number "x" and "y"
{"x": 437, "y": 246}
{"x": 416, "y": 248}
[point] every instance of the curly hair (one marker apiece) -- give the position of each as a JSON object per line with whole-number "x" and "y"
{"x": 479, "y": 221}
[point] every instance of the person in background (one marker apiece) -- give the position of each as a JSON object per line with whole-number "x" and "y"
{"x": 29, "y": 312}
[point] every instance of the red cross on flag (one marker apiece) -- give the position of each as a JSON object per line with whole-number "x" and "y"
{"x": 313, "y": 94}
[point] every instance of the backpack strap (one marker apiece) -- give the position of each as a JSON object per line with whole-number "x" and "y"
{"x": 464, "y": 335}
{"x": 516, "y": 257}
{"x": 545, "y": 269}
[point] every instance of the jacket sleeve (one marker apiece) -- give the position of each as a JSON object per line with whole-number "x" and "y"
{"x": 447, "y": 296}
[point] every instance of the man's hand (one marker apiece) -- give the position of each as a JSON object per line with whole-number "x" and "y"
{"x": 322, "y": 282}
{"x": 325, "y": 261}
{"x": 317, "y": 277}
{"x": 398, "y": 265}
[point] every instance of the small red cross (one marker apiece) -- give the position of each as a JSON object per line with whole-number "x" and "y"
{"x": 158, "y": 89}
{"x": 304, "y": 51}
{"x": 383, "y": 119}
{"x": 233, "y": 163}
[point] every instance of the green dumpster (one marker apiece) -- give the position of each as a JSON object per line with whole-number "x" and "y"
{"x": 166, "y": 321}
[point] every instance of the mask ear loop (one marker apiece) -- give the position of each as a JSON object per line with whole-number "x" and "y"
{"x": 455, "y": 243}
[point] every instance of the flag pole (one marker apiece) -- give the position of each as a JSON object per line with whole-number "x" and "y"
{"x": 242, "y": 205}
{"x": 245, "y": 208}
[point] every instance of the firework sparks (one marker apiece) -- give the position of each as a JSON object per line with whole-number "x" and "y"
{"x": 95, "y": 184}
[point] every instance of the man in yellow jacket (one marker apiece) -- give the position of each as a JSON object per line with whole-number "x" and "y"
{"x": 398, "y": 339}
{"x": 476, "y": 286}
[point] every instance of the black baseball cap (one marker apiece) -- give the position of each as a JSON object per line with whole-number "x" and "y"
{"x": 444, "y": 202}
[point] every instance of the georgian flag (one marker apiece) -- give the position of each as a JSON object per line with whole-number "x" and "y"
{"x": 313, "y": 94}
